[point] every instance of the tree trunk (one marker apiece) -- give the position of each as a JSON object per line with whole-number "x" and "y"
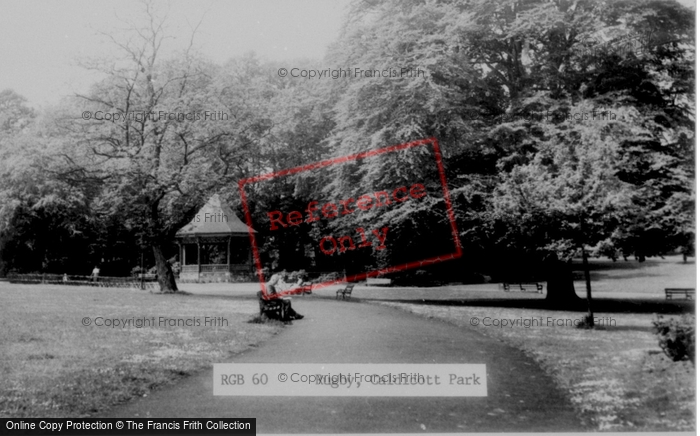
{"x": 560, "y": 286}
{"x": 589, "y": 298}
{"x": 166, "y": 278}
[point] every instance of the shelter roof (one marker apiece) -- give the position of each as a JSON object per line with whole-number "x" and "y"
{"x": 214, "y": 219}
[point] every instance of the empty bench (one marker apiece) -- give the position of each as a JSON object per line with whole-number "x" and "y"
{"x": 689, "y": 293}
{"x": 524, "y": 287}
{"x": 344, "y": 292}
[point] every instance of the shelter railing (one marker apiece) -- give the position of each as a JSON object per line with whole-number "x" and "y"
{"x": 214, "y": 268}
{"x": 80, "y": 280}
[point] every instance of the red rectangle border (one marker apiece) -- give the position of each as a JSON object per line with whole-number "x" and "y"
{"x": 322, "y": 164}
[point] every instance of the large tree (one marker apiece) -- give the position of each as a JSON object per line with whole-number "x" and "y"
{"x": 501, "y": 78}
{"x": 39, "y": 212}
{"x": 178, "y": 133}
{"x": 300, "y": 120}
{"x": 568, "y": 197}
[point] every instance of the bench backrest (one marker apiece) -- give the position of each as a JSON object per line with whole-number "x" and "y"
{"x": 260, "y": 296}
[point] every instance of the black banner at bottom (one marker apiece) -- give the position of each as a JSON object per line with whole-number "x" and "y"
{"x": 123, "y": 426}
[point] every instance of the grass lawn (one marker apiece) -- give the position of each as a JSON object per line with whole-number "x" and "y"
{"x": 616, "y": 375}
{"x": 51, "y": 365}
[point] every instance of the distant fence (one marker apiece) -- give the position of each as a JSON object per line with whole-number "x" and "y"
{"x": 150, "y": 281}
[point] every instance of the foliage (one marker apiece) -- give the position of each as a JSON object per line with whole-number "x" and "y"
{"x": 418, "y": 277}
{"x": 504, "y": 87}
{"x": 568, "y": 190}
{"x": 186, "y": 126}
{"x": 294, "y": 276}
{"x": 498, "y": 83}
{"x": 15, "y": 115}
{"x": 45, "y": 222}
{"x": 676, "y": 337}
{"x": 328, "y": 277}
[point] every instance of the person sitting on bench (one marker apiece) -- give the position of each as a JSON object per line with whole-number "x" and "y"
{"x": 274, "y": 286}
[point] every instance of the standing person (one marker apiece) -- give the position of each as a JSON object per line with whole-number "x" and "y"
{"x": 95, "y": 273}
{"x": 277, "y": 281}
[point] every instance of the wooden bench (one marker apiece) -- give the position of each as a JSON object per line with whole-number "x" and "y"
{"x": 525, "y": 287}
{"x": 272, "y": 308}
{"x": 378, "y": 282}
{"x": 689, "y": 293}
{"x": 344, "y": 292}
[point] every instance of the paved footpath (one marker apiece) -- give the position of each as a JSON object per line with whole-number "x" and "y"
{"x": 521, "y": 397}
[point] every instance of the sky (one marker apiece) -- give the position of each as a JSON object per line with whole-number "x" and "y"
{"x": 42, "y": 42}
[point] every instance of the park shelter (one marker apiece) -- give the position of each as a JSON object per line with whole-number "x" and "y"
{"x": 215, "y": 245}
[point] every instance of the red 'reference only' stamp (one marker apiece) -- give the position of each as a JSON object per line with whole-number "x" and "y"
{"x": 411, "y": 194}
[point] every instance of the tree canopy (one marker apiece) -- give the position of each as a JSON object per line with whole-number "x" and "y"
{"x": 565, "y": 127}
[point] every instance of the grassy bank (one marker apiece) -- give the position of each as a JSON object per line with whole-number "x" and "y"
{"x": 616, "y": 375}
{"x": 51, "y": 365}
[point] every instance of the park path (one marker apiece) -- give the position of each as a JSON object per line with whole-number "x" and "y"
{"x": 521, "y": 397}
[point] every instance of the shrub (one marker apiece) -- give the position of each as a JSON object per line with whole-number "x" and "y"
{"x": 176, "y": 268}
{"x": 418, "y": 277}
{"x": 296, "y": 275}
{"x": 327, "y": 277}
{"x": 676, "y": 337}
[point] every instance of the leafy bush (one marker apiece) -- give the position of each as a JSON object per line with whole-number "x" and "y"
{"x": 418, "y": 277}
{"x": 296, "y": 275}
{"x": 174, "y": 265}
{"x": 176, "y": 268}
{"x": 328, "y": 277}
{"x": 676, "y": 337}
